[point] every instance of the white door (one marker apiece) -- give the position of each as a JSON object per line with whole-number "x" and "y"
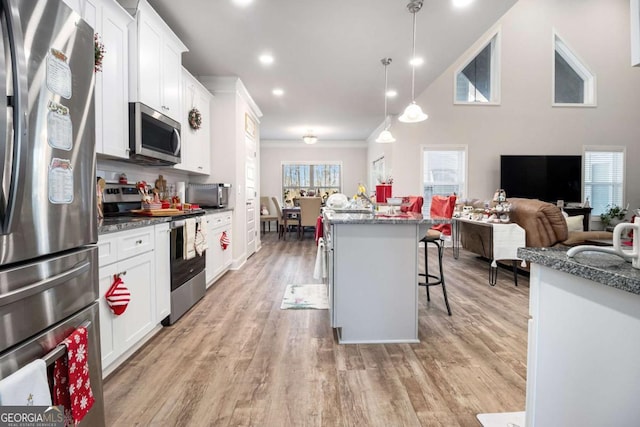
{"x": 250, "y": 185}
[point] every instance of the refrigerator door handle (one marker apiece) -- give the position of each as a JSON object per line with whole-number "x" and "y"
{"x": 45, "y": 284}
{"x": 20, "y": 112}
{"x": 5, "y": 101}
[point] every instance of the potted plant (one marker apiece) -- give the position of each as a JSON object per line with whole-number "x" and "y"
{"x": 613, "y": 215}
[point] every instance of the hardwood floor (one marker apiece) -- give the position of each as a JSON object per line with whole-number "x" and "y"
{"x": 236, "y": 359}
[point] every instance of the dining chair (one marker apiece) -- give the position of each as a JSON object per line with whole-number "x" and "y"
{"x": 309, "y": 211}
{"x": 441, "y": 207}
{"x": 272, "y": 214}
{"x": 276, "y": 203}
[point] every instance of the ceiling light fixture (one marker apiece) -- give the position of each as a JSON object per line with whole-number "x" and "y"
{"x": 413, "y": 113}
{"x": 391, "y": 93}
{"x": 385, "y": 136}
{"x": 266, "y": 59}
{"x": 310, "y": 138}
{"x": 416, "y": 62}
{"x": 277, "y": 92}
{"x": 243, "y": 3}
{"x": 462, "y": 3}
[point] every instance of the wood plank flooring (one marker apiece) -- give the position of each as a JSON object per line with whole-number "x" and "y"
{"x": 236, "y": 359}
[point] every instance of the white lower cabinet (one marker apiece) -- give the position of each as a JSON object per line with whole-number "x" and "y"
{"x": 139, "y": 317}
{"x": 218, "y": 259}
{"x": 141, "y": 258}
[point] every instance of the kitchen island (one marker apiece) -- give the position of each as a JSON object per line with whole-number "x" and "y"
{"x": 372, "y": 264}
{"x": 583, "y": 361}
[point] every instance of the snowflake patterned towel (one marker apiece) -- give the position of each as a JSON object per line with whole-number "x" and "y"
{"x": 71, "y": 384}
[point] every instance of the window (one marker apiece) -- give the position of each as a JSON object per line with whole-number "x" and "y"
{"x": 478, "y": 80}
{"x": 444, "y": 172}
{"x": 310, "y": 178}
{"x": 604, "y": 177}
{"x": 573, "y": 83}
{"x": 377, "y": 172}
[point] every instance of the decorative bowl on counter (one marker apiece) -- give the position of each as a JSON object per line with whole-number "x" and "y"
{"x": 337, "y": 200}
{"x": 394, "y": 201}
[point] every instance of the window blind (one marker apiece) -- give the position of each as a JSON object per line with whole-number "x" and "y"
{"x": 444, "y": 173}
{"x": 604, "y": 178}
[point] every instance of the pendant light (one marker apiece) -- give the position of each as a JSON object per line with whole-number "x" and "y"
{"x": 413, "y": 113}
{"x": 385, "y": 136}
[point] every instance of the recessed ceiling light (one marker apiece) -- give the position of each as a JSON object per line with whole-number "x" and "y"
{"x": 391, "y": 93}
{"x": 266, "y": 59}
{"x": 243, "y": 3}
{"x": 462, "y": 3}
{"x": 277, "y": 92}
{"x": 417, "y": 61}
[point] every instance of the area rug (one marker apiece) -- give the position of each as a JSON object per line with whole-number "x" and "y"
{"x": 503, "y": 419}
{"x": 304, "y": 297}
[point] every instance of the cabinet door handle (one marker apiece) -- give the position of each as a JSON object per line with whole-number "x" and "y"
{"x": 138, "y": 242}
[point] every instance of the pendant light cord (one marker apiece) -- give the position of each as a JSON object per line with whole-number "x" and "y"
{"x": 413, "y": 61}
{"x": 385, "y": 93}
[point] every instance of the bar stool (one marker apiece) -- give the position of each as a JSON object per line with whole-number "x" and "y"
{"x": 441, "y": 207}
{"x": 432, "y": 279}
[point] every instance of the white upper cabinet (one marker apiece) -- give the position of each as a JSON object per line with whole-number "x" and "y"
{"x": 195, "y": 142}
{"x": 156, "y": 63}
{"x": 110, "y": 22}
{"x": 112, "y": 83}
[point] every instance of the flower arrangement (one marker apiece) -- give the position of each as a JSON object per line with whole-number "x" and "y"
{"x": 195, "y": 119}
{"x": 99, "y": 52}
{"x": 613, "y": 214}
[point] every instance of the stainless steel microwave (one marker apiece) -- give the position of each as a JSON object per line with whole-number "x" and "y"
{"x": 154, "y": 139}
{"x": 209, "y": 195}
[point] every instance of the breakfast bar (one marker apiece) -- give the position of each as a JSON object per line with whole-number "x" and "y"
{"x": 584, "y": 339}
{"x": 372, "y": 263}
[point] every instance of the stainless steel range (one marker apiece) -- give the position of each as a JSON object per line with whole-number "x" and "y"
{"x": 187, "y": 272}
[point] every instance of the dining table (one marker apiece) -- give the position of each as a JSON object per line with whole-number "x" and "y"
{"x": 292, "y": 214}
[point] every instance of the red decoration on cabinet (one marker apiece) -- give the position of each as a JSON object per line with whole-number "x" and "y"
{"x": 118, "y": 296}
{"x": 224, "y": 241}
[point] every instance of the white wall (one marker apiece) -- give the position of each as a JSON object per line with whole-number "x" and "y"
{"x": 110, "y": 170}
{"x": 352, "y": 154}
{"x": 525, "y": 122}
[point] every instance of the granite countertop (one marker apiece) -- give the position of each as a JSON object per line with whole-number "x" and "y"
{"x": 114, "y": 224}
{"x": 369, "y": 218}
{"x": 607, "y": 269}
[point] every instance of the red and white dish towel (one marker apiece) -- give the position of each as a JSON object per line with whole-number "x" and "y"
{"x": 71, "y": 384}
{"x": 224, "y": 241}
{"x": 319, "y": 229}
{"x": 118, "y": 296}
{"x": 201, "y": 239}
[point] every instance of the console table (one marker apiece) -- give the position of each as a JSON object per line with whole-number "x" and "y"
{"x": 504, "y": 239}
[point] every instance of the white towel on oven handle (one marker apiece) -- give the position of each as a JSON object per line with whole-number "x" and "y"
{"x": 320, "y": 270}
{"x": 26, "y": 386}
{"x": 201, "y": 239}
{"x": 189, "y": 237}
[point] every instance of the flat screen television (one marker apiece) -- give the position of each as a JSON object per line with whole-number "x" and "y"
{"x": 548, "y": 178}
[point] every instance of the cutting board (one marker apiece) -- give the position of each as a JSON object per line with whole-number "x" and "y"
{"x": 158, "y": 212}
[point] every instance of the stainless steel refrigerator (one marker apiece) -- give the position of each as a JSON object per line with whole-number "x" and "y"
{"x": 48, "y": 224}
